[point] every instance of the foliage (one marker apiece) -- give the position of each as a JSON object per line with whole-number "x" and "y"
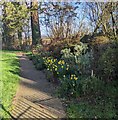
{"x": 15, "y": 15}
{"x": 92, "y": 86}
{"x": 67, "y": 75}
{"x": 62, "y": 14}
{"x": 14, "y": 18}
{"x": 66, "y": 58}
{"x": 66, "y": 53}
{"x": 108, "y": 62}
{"x": 60, "y": 67}
{"x": 80, "y": 49}
{"x": 86, "y": 110}
{"x": 99, "y": 40}
{"x": 39, "y": 47}
{"x": 49, "y": 75}
{"x": 57, "y": 68}
{"x": 9, "y": 81}
{"x": 85, "y": 62}
{"x": 102, "y": 17}
{"x": 78, "y": 57}
{"x": 38, "y": 61}
{"x": 69, "y": 86}
{"x": 45, "y": 54}
{"x": 40, "y": 64}
{"x": 77, "y": 50}
{"x": 97, "y": 100}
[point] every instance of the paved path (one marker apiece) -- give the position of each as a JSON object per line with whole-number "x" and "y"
{"x": 35, "y": 96}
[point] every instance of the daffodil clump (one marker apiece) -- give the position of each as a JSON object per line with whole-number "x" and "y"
{"x": 67, "y": 74}
{"x": 63, "y": 68}
{"x": 50, "y": 63}
{"x": 58, "y": 67}
{"x": 73, "y": 77}
{"x": 69, "y": 85}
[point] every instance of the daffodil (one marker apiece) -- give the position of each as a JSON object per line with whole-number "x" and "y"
{"x": 75, "y": 78}
{"x": 59, "y": 62}
{"x": 64, "y": 76}
{"x": 66, "y": 68}
{"x": 62, "y": 62}
{"x": 55, "y": 69}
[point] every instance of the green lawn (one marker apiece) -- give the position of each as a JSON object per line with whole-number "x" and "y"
{"x": 9, "y": 79}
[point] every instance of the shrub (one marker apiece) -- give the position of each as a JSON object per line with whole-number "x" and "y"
{"x": 66, "y": 53}
{"x": 49, "y": 75}
{"x": 80, "y": 49}
{"x": 39, "y": 48}
{"x": 84, "y": 62}
{"x": 79, "y": 57}
{"x": 69, "y": 86}
{"x": 108, "y": 63}
{"x": 37, "y": 60}
{"x": 86, "y": 110}
{"x": 92, "y": 86}
{"x": 60, "y": 67}
{"x": 77, "y": 50}
{"x": 40, "y": 64}
{"x": 45, "y": 54}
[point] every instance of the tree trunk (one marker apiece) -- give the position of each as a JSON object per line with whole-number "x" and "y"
{"x": 36, "y": 33}
{"x": 20, "y": 38}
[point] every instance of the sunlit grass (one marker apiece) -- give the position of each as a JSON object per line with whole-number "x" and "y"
{"x": 9, "y": 80}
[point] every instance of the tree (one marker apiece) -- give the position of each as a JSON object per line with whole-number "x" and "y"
{"x": 60, "y": 20}
{"x": 102, "y": 17}
{"x": 15, "y": 16}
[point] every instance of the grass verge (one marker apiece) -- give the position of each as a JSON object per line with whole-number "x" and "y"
{"x": 9, "y": 80}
